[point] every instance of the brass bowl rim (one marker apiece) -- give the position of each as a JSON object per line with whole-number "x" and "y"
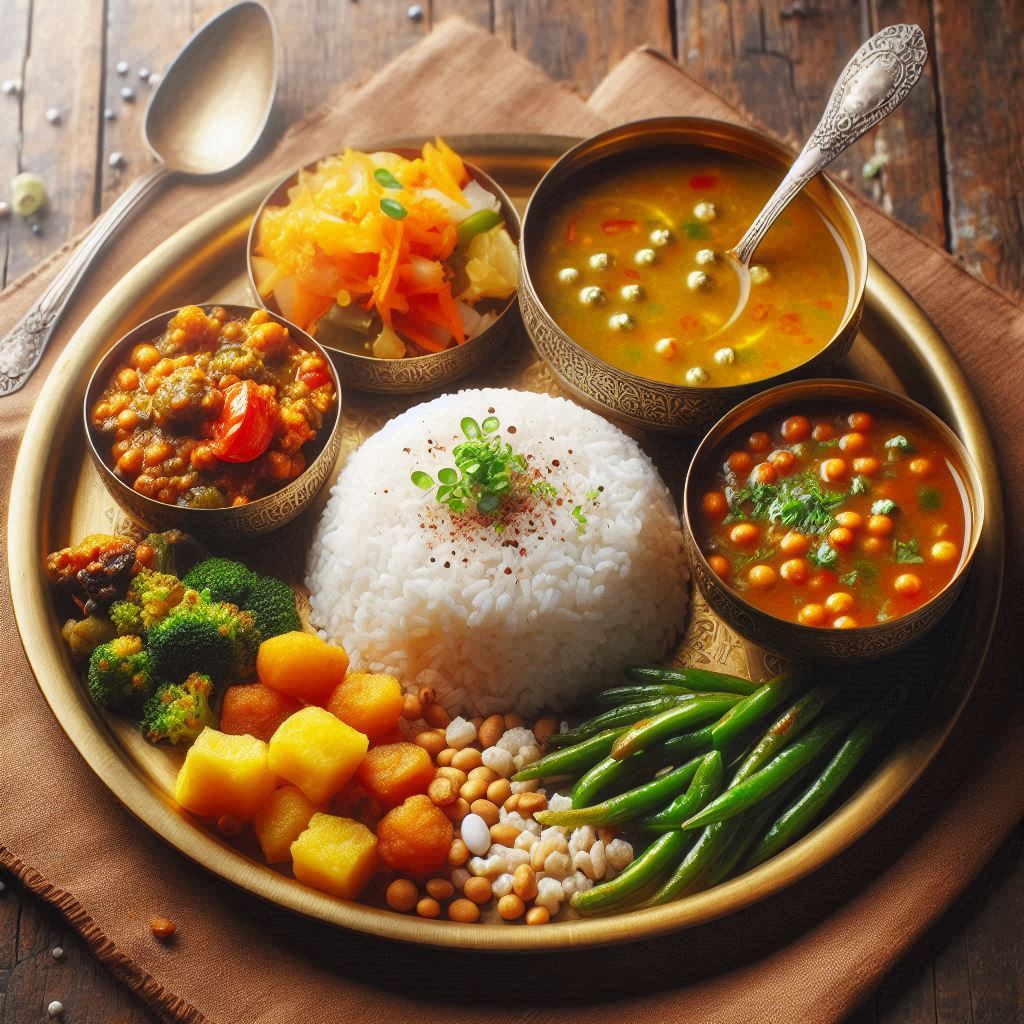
{"x": 98, "y": 379}
{"x": 859, "y": 257}
{"x": 478, "y": 174}
{"x": 825, "y": 387}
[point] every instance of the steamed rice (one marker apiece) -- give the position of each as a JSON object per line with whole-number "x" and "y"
{"x": 522, "y": 620}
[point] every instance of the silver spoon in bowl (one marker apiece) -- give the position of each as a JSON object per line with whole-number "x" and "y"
{"x": 205, "y": 117}
{"x": 873, "y": 84}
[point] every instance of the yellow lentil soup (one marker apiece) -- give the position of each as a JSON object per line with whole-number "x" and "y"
{"x": 632, "y": 267}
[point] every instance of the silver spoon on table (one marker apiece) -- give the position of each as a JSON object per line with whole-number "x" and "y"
{"x": 873, "y": 84}
{"x": 204, "y": 118}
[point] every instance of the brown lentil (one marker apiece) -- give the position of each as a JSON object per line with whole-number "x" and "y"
{"x": 458, "y": 779}
{"x": 472, "y": 790}
{"x": 458, "y": 854}
{"x": 440, "y": 888}
{"x": 464, "y": 911}
{"x": 412, "y": 709}
{"x": 483, "y": 772}
{"x": 538, "y": 915}
{"x": 162, "y": 927}
{"x": 524, "y": 882}
{"x": 444, "y": 758}
{"x": 402, "y": 895}
{"x": 477, "y": 889}
{"x": 442, "y": 792}
{"x": 499, "y": 791}
{"x": 504, "y": 834}
{"x": 486, "y": 810}
{"x": 491, "y": 730}
{"x": 229, "y": 825}
{"x": 545, "y": 727}
{"x": 427, "y": 695}
{"x": 431, "y": 740}
{"x": 513, "y": 721}
{"x": 436, "y": 716}
{"x": 428, "y": 907}
{"x": 457, "y": 811}
{"x": 530, "y": 803}
{"x": 511, "y": 907}
{"x": 512, "y": 801}
{"x": 467, "y": 759}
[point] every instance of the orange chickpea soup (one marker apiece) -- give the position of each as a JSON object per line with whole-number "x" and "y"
{"x": 215, "y": 411}
{"x": 843, "y": 519}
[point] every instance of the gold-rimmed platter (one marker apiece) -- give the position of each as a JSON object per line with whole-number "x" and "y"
{"x": 58, "y": 497}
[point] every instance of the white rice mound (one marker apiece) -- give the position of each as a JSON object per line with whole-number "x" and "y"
{"x": 527, "y": 619}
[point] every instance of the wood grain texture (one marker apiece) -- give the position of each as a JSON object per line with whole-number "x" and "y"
{"x": 981, "y": 78}
{"x": 955, "y": 172}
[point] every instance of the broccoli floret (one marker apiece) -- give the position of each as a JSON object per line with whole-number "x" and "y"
{"x": 272, "y": 604}
{"x": 222, "y": 580}
{"x": 120, "y": 673}
{"x": 178, "y": 712}
{"x": 83, "y": 636}
{"x": 213, "y": 637}
{"x": 149, "y": 600}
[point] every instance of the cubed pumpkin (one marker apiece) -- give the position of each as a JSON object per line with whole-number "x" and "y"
{"x": 335, "y": 855}
{"x": 317, "y": 752}
{"x": 255, "y": 710}
{"x": 281, "y": 819}
{"x": 369, "y": 702}
{"x": 415, "y": 838}
{"x": 301, "y": 665}
{"x": 394, "y": 771}
{"x": 225, "y": 775}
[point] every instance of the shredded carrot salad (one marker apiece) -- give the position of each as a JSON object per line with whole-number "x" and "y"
{"x": 375, "y": 231}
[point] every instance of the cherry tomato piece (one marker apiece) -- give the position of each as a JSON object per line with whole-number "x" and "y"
{"x": 245, "y": 428}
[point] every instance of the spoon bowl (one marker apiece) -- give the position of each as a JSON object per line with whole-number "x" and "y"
{"x": 214, "y": 100}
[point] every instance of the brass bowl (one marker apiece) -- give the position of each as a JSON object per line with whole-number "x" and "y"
{"x": 822, "y": 643}
{"x": 414, "y": 373}
{"x": 650, "y": 404}
{"x": 230, "y": 523}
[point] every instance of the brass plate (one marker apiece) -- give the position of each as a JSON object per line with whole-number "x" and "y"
{"x": 58, "y": 497}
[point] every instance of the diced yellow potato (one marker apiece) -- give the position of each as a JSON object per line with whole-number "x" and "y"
{"x": 225, "y": 775}
{"x": 335, "y": 855}
{"x": 317, "y": 752}
{"x": 282, "y": 818}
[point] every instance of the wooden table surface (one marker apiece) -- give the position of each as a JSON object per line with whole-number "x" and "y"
{"x": 950, "y": 163}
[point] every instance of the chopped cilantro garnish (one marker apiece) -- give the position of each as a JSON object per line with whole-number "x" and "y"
{"x": 906, "y": 552}
{"x": 883, "y": 507}
{"x": 798, "y": 503}
{"x": 823, "y": 557}
{"x": 694, "y": 230}
{"x": 883, "y": 611}
{"x": 929, "y": 499}
{"x": 898, "y": 446}
{"x": 859, "y": 485}
{"x": 762, "y": 554}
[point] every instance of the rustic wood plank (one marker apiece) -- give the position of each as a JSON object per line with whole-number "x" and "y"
{"x": 62, "y": 69}
{"x": 907, "y": 994}
{"x": 477, "y": 12}
{"x": 778, "y": 59}
{"x": 78, "y": 980}
{"x": 144, "y": 36}
{"x": 980, "y": 77}
{"x": 13, "y": 47}
{"x": 950, "y": 967}
{"x": 580, "y": 42}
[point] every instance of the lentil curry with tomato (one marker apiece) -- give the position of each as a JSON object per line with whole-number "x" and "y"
{"x": 216, "y": 411}
{"x": 632, "y": 267}
{"x": 834, "y": 519}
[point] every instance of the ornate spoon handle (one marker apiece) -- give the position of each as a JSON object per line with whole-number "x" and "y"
{"x": 875, "y": 82}
{"x": 22, "y": 349}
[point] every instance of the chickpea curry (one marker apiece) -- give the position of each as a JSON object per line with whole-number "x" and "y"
{"x": 632, "y": 266}
{"x": 834, "y": 519}
{"x": 216, "y": 411}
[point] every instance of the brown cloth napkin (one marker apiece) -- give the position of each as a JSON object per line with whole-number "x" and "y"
{"x": 809, "y": 954}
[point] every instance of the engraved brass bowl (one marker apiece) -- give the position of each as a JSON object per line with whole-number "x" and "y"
{"x": 822, "y": 643}
{"x": 412, "y": 374}
{"x": 230, "y": 523}
{"x": 645, "y": 403}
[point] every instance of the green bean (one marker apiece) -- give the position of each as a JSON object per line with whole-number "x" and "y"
{"x": 693, "y": 678}
{"x": 706, "y": 782}
{"x": 796, "y": 819}
{"x": 571, "y": 760}
{"x": 754, "y": 708}
{"x": 634, "y": 803}
{"x": 792, "y": 760}
{"x": 647, "y": 868}
{"x": 632, "y": 694}
{"x": 626, "y": 714}
{"x": 697, "y": 863}
{"x": 669, "y": 723}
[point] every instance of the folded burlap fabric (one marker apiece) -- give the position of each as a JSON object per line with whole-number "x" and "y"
{"x": 809, "y": 955}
